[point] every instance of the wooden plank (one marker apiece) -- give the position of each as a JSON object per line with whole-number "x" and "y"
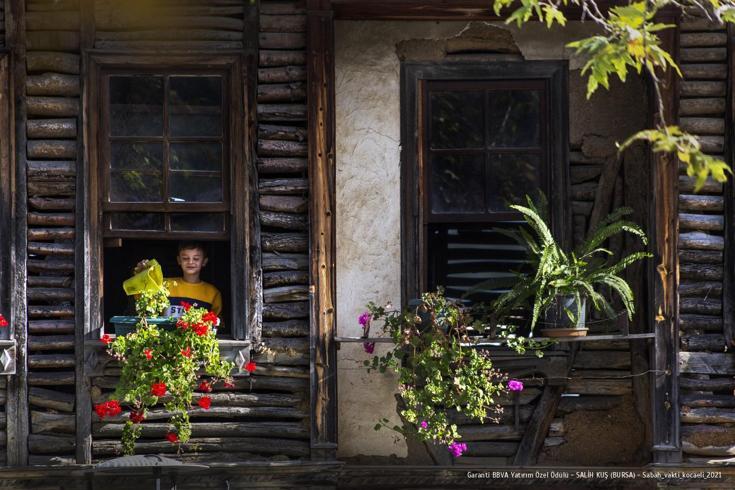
{"x": 53, "y": 399}
{"x": 285, "y": 430}
{"x": 270, "y": 446}
{"x": 706, "y": 363}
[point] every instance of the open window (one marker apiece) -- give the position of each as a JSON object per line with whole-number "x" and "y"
{"x": 170, "y": 165}
{"x": 477, "y": 138}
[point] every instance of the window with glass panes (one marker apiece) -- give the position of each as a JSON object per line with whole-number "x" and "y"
{"x": 165, "y": 155}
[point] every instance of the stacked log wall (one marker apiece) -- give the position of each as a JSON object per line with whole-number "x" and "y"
{"x": 706, "y": 368}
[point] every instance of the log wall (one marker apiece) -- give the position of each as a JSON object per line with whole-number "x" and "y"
{"x": 706, "y": 370}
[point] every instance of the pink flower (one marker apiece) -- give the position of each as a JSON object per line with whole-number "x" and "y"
{"x": 158, "y": 389}
{"x": 3, "y": 321}
{"x": 205, "y": 402}
{"x": 369, "y": 347}
{"x": 364, "y": 319}
{"x": 148, "y": 353}
{"x": 515, "y": 385}
{"x": 106, "y": 339}
{"x": 250, "y": 367}
{"x": 424, "y": 424}
{"x": 172, "y": 437}
{"x": 457, "y": 448}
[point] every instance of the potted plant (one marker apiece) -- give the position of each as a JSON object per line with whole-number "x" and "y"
{"x": 560, "y": 283}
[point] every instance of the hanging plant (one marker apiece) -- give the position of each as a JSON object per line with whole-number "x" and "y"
{"x": 165, "y": 366}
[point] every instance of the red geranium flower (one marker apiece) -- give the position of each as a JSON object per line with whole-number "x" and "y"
{"x": 182, "y": 324}
{"x": 186, "y": 352}
{"x": 205, "y": 386}
{"x": 137, "y": 417}
{"x": 108, "y": 409}
{"x": 210, "y": 317}
{"x": 158, "y": 389}
{"x": 250, "y": 367}
{"x": 229, "y": 383}
{"x": 172, "y": 437}
{"x": 148, "y": 353}
{"x": 201, "y": 329}
{"x": 185, "y": 305}
{"x": 3, "y": 321}
{"x": 205, "y": 402}
{"x": 106, "y": 339}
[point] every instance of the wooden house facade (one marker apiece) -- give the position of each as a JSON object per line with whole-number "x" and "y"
{"x": 263, "y": 124}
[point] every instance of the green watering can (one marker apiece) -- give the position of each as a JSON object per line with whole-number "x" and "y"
{"x": 149, "y": 279}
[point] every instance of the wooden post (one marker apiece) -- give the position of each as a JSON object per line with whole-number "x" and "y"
{"x": 320, "y": 96}
{"x": 728, "y": 286}
{"x": 17, "y": 407}
{"x": 665, "y": 399}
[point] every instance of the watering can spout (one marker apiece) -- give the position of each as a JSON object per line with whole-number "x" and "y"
{"x": 149, "y": 279}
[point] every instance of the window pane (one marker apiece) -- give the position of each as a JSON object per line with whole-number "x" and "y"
{"x": 136, "y": 105}
{"x": 195, "y": 106}
{"x": 194, "y": 187}
{"x": 135, "y": 186}
{"x": 511, "y": 177}
{"x": 456, "y": 119}
{"x": 147, "y": 157}
{"x": 457, "y": 184}
{"x": 514, "y": 118}
{"x": 197, "y": 222}
{"x": 196, "y": 156}
{"x": 136, "y": 221}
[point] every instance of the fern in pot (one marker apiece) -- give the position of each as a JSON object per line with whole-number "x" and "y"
{"x": 559, "y": 284}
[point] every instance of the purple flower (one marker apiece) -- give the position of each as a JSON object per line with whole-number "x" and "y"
{"x": 364, "y": 319}
{"x": 515, "y": 385}
{"x": 424, "y": 424}
{"x": 369, "y": 347}
{"x": 457, "y": 448}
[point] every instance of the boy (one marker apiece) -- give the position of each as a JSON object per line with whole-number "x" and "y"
{"x": 189, "y": 288}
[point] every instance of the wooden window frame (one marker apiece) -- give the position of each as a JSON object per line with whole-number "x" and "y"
{"x": 240, "y": 219}
{"x": 7, "y": 192}
{"x": 414, "y": 191}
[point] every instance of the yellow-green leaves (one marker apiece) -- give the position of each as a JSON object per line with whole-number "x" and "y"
{"x": 687, "y": 149}
{"x": 543, "y": 11}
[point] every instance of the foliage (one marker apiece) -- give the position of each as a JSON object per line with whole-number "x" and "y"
{"x": 439, "y": 370}
{"x": 629, "y": 40}
{"x": 554, "y": 272}
{"x": 165, "y": 366}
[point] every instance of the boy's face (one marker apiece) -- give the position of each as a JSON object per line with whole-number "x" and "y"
{"x": 191, "y": 261}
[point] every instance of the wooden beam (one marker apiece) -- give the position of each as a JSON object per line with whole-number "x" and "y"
{"x": 17, "y": 407}
{"x": 321, "y": 136}
{"x": 728, "y": 284}
{"x": 538, "y": 426}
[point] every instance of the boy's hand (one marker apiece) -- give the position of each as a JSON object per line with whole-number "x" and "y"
{"x": 140, "y": 266}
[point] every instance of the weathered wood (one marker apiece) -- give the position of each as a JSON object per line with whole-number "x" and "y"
{"x": 169, "y": 35}
{"x": 51, "y": 204}
{"x": 50, "y": 281}
{"x": 702, "y": 289}
{"x": 700, "y": 306}
{"x": 273, "y": 58}
{"x": 53, "y": 40}
{"x": 700, "y": 257}
{"x": 285, "y": 430}
{"x": 582, "y": 207}
{"x": 702, "y": 107}
{"x": 50, "y": 294}
{"x": 285, "y": 371}
{"x": 51, "y": 5}
{"x": 52, "y": 106}
{"x": 45, "y": 188}
{"x": 599, "y": 386}
{"x": 215, "y": 412}
{"x": 698, "y": 202}
{"x": 284, "y": 351}
{"x": 288, "y": 447}
{"x": 50, "y": 169}
{"x": 704, "y": 342}
{"x": 57, "y": 311}
{"x": 702, "y": 39}
{"x": 583, "y": 173}
{"x": 488, "y": 432}
{"x": 286, "y": 92}
{"x": 285, "y": 311}
{"x": 704, "y": 71}
{"x": 47, "y": 61}
{"x": 279, "y": 132}
{"x": 282, "y": 112}
{"x": 698, "y": 400}
{"x": 286, "y": 293}
{"x": 689, "y": 24}
{"x": 290, "y": 328}
{"x": 53, "y": 399}
{"x": 51, "y": 219}
{"x": 284, "y": 204}
{"x": 572, "y": 404}
{"x": 701, "y": 272}
{"x": 280, "y": 148}
{"x": 285, "y": 261}
{"x": 118, "y": 20}
{"x": 51, "y": 378}
{"x": 702, "y": 322}
{"x": 59, "y": 21}
{"x": 492, "y": 448}
{"x": 288, "y": 7}
{"x": 703, "y": 89}
{"x": 52, "y": 149}
{"x": 282, "y": 23}
{"x": 714, "y": 384}
{"x": 284, "y": 242}
{"x": 267, "y": 166}
{"x": 282, "y": 278}
{"x": 51, "y": 360}
{"x": 712, "y": 144}
{"x": 53, "y": 234}
{"x": 707, "y": 415}
{"x": 602, "y": 360}
{"x": 285, "y": 221}
{"x": 282, "y": 40}
{"x": 701, "y": 241}
{"x": 706, "y": 363}
{"x": 46, "y": 444}
{"x": 43, "y": 248}
{"x": 703, "y": 125}
{"x": 51, "y": 128}
{"x": 283, "y": 186}
{"x": 48, "y": 265}
{"x": 584, "y": 191}
{"x": 700, "y": 55}
{"x": 50, "y": 342}
{"x": 170, "y": 45}
{"x": 51, "y": 326}
{"x": 45, "y": 422}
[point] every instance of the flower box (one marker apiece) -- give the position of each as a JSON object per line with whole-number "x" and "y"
{"x": 124, "y": 325}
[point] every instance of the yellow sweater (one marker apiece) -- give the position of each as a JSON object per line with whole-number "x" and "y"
{"x": 200, "y": 294}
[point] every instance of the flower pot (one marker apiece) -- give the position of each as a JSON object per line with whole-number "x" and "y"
{"x": 557, "y": 322}
{"x": 124, "y": 325}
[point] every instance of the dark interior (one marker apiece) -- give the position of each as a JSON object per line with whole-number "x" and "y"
{"x": 120, "y": 261}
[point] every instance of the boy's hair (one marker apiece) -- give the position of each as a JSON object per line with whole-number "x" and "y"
{"x": 191, "y": 245}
